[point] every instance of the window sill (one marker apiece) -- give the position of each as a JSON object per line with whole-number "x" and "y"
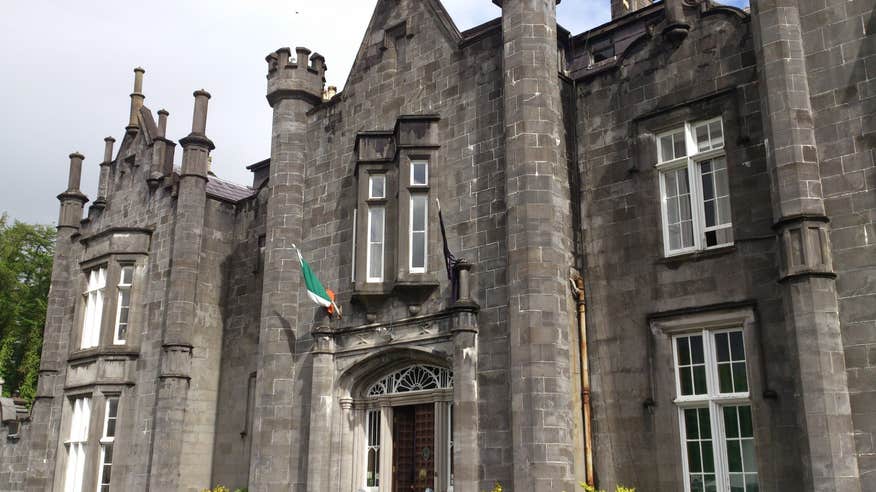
{"x": 673, "y": 261}
{"x": 95, "y": 352}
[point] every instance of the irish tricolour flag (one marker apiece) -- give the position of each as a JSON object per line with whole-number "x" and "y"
{"x": 317, "y": 293}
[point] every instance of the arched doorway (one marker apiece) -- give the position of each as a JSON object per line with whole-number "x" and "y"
{"x": 407, "y": 439}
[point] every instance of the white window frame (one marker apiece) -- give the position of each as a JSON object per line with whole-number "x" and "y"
{"x": 94, "y": 301}
{"x": 425, "y": 164}
{"x": 372, "y": 426}
{"x": 425, "y": 231}
{"x": 692, "y": 161}
{"x": 123, "y": 288}
{"x": 76, "y": 444}
{"x": 355, "y": 233}
{"x": 107, "y": 441}
{"x": 382, "y": 242}
{"x": 714, "y": 400}
{"x": 372, "y": 179}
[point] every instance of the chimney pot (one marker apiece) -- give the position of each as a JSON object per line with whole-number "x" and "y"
{"x": 75, "y": 176}
{"x": 199, "y": 119}
{"x": 162, "y": 122}
{"x": 108, "y": 149}
{"x": 137, "y": 98}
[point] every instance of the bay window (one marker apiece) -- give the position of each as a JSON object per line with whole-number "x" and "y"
{"x": 694, "y": 188}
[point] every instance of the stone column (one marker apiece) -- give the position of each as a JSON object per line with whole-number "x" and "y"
{"x": 539, "y": 250}
{"x": 466, "y": 455}
{"x": 811, "y": 310}
{"x": 180, "y": 315}
{"x": 48, "y": 404}
{"x": 279, "y": 436}
{"x": 322, "y": 405}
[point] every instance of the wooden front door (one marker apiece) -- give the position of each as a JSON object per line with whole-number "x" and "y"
{"x": 413, "y": 451}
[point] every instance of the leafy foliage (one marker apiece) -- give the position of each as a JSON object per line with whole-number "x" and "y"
{"x": 26, "y": 253}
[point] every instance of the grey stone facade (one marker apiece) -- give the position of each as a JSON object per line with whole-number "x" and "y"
{"x": 541, "y": 146}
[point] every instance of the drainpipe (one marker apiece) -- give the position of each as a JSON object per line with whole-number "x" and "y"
{"x": 578, "y": 289}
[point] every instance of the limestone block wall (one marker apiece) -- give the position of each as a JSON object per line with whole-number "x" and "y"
{"x": 424, "y": 70}
{"x": 655, "y": 85}
{"x": 839, "y": 48}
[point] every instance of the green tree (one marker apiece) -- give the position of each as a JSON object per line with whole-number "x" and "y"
{"x": 26, "y": 253}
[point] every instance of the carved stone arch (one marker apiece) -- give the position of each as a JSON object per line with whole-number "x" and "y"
{"x": 358, "y": 379}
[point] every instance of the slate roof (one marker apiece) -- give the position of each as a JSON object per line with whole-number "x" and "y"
{"x": 227, "y": 191}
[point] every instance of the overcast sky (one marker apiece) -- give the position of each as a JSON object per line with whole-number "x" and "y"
{"x": 67, "y": 75}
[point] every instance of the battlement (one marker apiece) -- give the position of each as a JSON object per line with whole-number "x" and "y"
{"x": 303, "y": 78}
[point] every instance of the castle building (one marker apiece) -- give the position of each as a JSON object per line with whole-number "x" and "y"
{"x": 665, "y": 269}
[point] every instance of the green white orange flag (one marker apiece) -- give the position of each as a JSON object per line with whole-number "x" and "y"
{"x": 317, "y": 293}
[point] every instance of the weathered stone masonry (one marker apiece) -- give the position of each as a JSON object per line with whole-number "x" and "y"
{"x": 542, "y": 147}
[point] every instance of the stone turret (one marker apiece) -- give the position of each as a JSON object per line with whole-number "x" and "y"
{"x": 72, "y": 200}
{"x": 294, "y": 88}
{"x": 539, "y": 252}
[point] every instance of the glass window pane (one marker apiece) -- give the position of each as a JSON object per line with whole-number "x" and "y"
{"x": 418, "y": 250}
{"x": 702, "y": 135}
{"x": 709, "y": 210}
{"x": 705, "y": 423}
{"x": 731, "y": 428}
{"x": 683, "y": 351}
{"x": 696, "y": 346}
{"x": 737, "y": 482}
{"x": 700, "y": 380}
{"x": 680, "y": 149}
{"x": 683, "y": 184}
{"x": 686, "y": 381}
{"x": 721, "y": 181}
{"x": 375, "y": 268}
{"x": 674, "y": 236}
{"x": 666, "y": 148}
{"x": 127, "y": 275}
{"x": 708, "y": 457}
{"x": 716, "y": 133}
{"x": 111, "y": 428}
{"x": 376, "y": 232}
{"x": 687, "y": 234}
{"x": 746, "y": 428}
{"x": 737, "y": 346}
{"x": 672, "y": 211}
{"x": 693, "y": 457}
{"x": 748, "y": 456}
{"x": 670, "y": 184}
{"x": 722, "y": 347}
{"x": 725, "y": 378}
{"x": 711, "y": 483}
{"x": 740, "y": 379}
{"x": 685, "y": 208}
{"x": 691, "y": 424}
{"x": 734, "y": 456}
{"x": 708, "y": 185}
{"x": 377, "y": 186}
{"x": 723, "y": 210}
{"x": 418, "y": 173}
{"x": 418, "y": 212}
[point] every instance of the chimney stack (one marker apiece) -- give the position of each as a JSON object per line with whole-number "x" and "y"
{"x": 103, "y": 183}
{"x": 199, "y": 118}
{"x": 162, "y": 122}
{"x": 72, "y": 200}
{"x": 137, "y": 99}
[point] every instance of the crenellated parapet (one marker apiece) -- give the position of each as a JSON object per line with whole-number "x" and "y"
{"x": 303, "y": 78}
